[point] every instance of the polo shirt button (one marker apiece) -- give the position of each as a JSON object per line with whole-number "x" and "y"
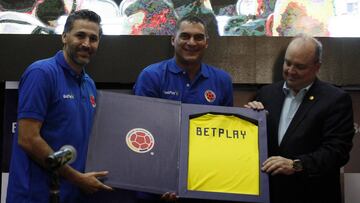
{"x": 187, "y": 85}
{"x": 184, "y": 73}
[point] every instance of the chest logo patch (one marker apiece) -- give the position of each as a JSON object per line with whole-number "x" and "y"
{"x": 92, "y": 101}
{"x": 68, "y": 96}
{"x": 210, "y": 96}
{"x": 140, "y": 140}
{"x": 172, "y": 93}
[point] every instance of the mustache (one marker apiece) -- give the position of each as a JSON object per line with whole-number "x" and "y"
{"x": 83, "y": 48}
{"x": 192, "y": 48}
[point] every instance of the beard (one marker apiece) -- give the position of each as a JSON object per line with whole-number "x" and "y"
{"x": 76, "y": 55}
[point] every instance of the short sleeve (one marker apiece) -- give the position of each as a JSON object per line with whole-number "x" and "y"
{"x": 147, "y": 84}
{"x": 34, "y": 94}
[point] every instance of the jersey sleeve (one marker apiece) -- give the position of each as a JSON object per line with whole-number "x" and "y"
{"x": 147, "y": 84}
{"x": 34, "y": 94}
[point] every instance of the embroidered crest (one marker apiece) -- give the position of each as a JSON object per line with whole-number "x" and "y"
{"x": 210, "y": 96}
{"x": 92, "y": 101}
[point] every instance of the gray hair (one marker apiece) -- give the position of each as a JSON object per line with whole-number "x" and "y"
{"x": 318, "y": 46}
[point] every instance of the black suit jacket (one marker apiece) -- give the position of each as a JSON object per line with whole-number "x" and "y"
{"x": 320, "y": 135}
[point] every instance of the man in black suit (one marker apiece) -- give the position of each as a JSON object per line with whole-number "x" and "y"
{"x": 310, "y": 129}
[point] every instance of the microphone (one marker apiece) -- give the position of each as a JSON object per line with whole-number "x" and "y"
{"x": 66, "y": 154}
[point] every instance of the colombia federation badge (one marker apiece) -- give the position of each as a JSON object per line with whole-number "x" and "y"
{"x": 140, "y": 140}
{"x": 92, "y": 101}
{"x": 210, "y": 96}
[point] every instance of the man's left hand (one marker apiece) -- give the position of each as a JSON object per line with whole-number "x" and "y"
{"x": 89, "y": 182}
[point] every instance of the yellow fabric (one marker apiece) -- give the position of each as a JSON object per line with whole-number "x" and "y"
{"x": 223, "y": 155}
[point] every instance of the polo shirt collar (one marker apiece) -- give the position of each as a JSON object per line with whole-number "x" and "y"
{"x": 174, "y": 68}
{"x": 60, "y": 58}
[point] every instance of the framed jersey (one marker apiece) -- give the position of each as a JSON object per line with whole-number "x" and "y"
{"x": 198, "y": 151}
{"x": 222, "y": 149}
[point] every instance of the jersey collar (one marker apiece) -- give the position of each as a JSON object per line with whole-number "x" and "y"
{"x": 60, "y": 58}
{"x": 174, "y": 68}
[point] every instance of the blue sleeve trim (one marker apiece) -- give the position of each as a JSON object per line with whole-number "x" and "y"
{"x": 32, "y": 115}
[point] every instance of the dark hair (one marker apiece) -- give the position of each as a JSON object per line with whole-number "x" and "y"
{"x": 50, "y": 10}
{"x": 190, "y": 19}
{"x": 82, "y": 15}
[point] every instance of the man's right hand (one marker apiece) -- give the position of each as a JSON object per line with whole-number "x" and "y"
{"x": 256, "y": 105}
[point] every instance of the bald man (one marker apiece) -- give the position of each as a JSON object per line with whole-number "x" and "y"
{"x": 310, "y": 129}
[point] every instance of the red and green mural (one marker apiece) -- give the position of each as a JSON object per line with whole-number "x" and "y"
{"x": 322, "y": 18}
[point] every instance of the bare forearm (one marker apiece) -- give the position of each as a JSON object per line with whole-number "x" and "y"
{"x": 70, "y": 174}
{"x": 32, "y": 143}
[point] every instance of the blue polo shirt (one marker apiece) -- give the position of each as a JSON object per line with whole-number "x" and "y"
{"x": 51, "y": 92}
{"x": 167, "y": 80}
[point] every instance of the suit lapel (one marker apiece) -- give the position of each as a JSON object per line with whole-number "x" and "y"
{"x": 274, "y": 106}
{"x": 310, "y": 98}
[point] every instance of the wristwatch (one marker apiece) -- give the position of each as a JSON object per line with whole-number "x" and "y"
{"x": 297, "y": 165}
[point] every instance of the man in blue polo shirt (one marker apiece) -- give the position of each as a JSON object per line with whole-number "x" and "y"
{"x": 184, "y": 77}
{"x": 56, "y": 108}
